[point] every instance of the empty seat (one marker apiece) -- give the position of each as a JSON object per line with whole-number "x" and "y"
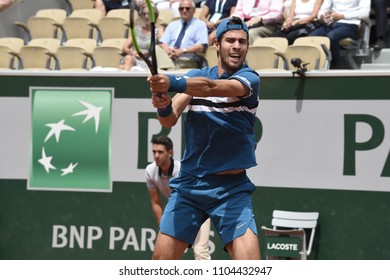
{"x": 211, "y": 56}
{"x": 13, "y": 44}
{"x": 121, "y": 13}
{"x": 75, "y": 55}
{"x": 43, "y": 25}
{"x": 73, "y": 5}
{"x": 6, "y": 58}
{"x": 280, "y": 44}
{"x": 263, "y": 58}
{"x": 107, "y": 56}
{"x": 36, "y": 55}
{"x": 81, "y": 23}
{"x": 112, "y": 27}
{"x": 323, "y": 44}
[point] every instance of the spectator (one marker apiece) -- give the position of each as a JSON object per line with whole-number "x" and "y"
{"x": 213, "y": 12}
{"x": 301, "y": 20}
{"x": 168, "y": 5}
{"x": 143, "y": 34}
{"x": 106, "y": 5}
{"x": 379, "y": 7}
{"x": 341, "y": 20}
{"x": 261, "y": 17}
{"x": 184, "y": 38}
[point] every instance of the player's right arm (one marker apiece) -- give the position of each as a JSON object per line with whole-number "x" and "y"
{"x": 179, "y": 102}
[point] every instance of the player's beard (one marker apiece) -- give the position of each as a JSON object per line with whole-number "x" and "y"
{"x": 231, "y": 60}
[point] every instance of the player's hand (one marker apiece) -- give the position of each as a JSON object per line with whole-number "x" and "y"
{"x": 160, "y": 100}
{"x": 159, "y": 83}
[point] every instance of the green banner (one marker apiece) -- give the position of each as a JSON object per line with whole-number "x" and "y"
{"x": 70, "y": 139}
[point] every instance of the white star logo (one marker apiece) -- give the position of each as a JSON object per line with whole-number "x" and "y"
{"x": 46, "y": 161}
{"x": 69, "y": 169}
{"x": 56, "y": 129}
{"x": 91, "y": 112}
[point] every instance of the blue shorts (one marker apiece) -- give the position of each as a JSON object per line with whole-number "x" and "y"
{"x": 226, "y": 199}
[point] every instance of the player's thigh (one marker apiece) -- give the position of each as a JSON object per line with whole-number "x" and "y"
{"x": 168, "y": 247}
{"x": 245, "y": 247}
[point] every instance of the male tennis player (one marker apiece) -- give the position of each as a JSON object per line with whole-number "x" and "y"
{"x": 220, "y": 146}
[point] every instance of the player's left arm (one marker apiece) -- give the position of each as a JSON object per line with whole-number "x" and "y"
{"x": 204, "y": 87}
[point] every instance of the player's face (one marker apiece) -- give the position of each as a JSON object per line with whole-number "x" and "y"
{"x": 232, "y": 49}
{"x": 161, "y": 155}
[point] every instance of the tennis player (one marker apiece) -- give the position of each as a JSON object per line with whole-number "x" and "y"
{"x": 220, "y": 146}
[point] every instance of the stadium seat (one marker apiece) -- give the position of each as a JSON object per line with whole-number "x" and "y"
{"x": 112, "y": 27}
{"x": 6, "y": 58}
{"x": 323, "y": 43}
{"x": 262, "y": 58}
{"x": 164, "y": 62}
{"x": 43, "y": 25}
{"x": 74, "y": 55}
{"x": 107, "y": 56}
{"x": 122, "y": 13}
{"x": 35, "y": 56}
{"x": 72, "y": 5}
{"x": 211, "y": 56}
{"x": 309, "y": 54}
{"x": 165, "y": 16}
{"x": 278, "y": 43}
{"x": 14, "y": 44}
{"x": 287, "y": 237}
{"x": 82, "y": 23}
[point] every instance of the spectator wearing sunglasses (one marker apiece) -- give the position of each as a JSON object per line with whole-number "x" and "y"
{"x": 183, "y": 39}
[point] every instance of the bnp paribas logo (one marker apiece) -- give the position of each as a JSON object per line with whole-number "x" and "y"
{"x": 71, "y": 131}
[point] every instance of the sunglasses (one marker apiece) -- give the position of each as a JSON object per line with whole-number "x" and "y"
{"x": 184, "y": 8}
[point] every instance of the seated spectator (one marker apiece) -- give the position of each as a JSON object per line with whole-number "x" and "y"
{"x": 213, "y": 12}
{"x": 379, "y": 7}
{"x": 168, "y": 5}
{"x": 143, "y": 34}
{"x": 301, "y": 20}
{"x": 261, "y": 17}
{"x": 183, "y": 39}
{"x": 106, "y": 5}
{"x": 341, "y": 20}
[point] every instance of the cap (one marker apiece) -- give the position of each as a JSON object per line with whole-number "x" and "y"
{"x": 233, "y": 23}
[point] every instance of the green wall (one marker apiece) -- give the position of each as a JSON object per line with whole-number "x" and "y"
{"x": 353, "y": 223}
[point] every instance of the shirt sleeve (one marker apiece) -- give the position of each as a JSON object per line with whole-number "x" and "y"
{"x": 149, "y": 182}
{"x": 250, "y": 79}
{"x": 362, "y": 11}
{"x": 167, "y": 35}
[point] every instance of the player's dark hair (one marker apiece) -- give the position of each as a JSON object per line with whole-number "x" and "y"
{"x": 163, "y": 140}
{"x": 233, "y": 20}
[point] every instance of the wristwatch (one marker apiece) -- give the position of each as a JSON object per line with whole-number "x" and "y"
{"x": 184, "y": 50}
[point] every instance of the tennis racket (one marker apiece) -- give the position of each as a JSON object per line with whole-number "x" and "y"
{"x": 152, "y": 65}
